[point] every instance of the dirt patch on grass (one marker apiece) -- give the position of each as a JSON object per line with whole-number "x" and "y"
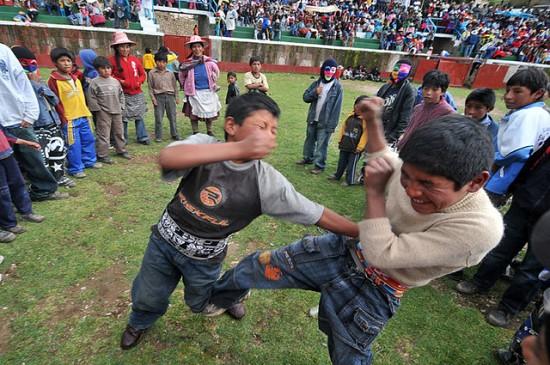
{"x": 5, "y": 334}
{"x": 236, "y": 251}
{"x": 114, "y": 189}
{"x": 141, "y": 159}
{"x": 365, "y": 87}
{"x": 104, "y": 294}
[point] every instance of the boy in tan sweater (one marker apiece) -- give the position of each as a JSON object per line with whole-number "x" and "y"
{"x": 427, "y": 216}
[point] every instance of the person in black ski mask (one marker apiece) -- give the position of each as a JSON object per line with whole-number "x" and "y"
{"x": 325, "y": 97}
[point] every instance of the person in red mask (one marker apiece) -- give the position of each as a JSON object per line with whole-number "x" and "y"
{"x": 398, "y": 95}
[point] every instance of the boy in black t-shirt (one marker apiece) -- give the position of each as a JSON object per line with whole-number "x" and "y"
{"x": 223, "y": 188}
{"x": 232, "y": 88}
{"x": 353, "y": 139}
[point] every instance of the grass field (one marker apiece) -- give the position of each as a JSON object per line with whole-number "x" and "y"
{"x": 65, "y": 294}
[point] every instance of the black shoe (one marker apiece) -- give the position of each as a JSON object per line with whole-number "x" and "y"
{"x": 304, "y": 162}
{"x": 236, "y": 311}
{"x": 210, "y": 134}
{"x": 131, "y": 337}
{"x": 505, "y": 357}
{"x": 124, "y": 155}
{"x": 145, "y": 142}
{"x": 105, "y": 160}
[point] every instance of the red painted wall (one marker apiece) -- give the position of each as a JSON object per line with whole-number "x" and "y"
{"x": 491, "y": 76}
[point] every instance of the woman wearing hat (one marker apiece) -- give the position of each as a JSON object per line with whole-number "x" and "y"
{"x": 128, "y": 70}
{"x": 198, "y": 76}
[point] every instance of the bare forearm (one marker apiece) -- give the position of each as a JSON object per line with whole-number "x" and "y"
{"x": 334, "y": 222}
{"x": 186, "y": 156}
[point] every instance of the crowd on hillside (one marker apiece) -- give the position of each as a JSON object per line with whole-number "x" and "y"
{"x": 433, "y": 178}
{"x": 489, "y": 31}
{"x": 82, "y": 12}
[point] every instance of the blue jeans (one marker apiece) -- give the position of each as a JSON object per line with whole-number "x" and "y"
{"x": 352, "y": 310}
{"x": 525, "y": 284}
{"x": 316, "y": 145}
{"x": 12, "y": 190}
{"x": 80, "y": 145}
{"x": 141, "y": 132}
{"x": 161, "y": 270}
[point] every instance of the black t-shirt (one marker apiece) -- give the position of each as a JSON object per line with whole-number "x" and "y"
{"x": 389, "y": 102}
{"x": 352, "y": 134}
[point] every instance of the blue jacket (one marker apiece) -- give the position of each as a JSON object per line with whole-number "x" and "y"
{"x": 330, "y": 113}
{"x": 47, "y": 100}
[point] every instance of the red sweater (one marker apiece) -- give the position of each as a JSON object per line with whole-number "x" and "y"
{"x": 132, "y": 75}
{"x": 5, "y": 148}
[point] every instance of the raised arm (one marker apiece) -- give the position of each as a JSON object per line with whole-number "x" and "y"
{"x": 183, "y": 156}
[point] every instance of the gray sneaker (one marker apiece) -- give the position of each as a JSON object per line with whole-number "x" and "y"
{"x": 212, "y": 310}
{"x": 499, "y": 318}
{"x": 17, "y": 229}
{"x": 467, "y": 287}
{"x": 35, "y": 218}
{"x": 6, "y": 237}
{"x": 57, "y": 196}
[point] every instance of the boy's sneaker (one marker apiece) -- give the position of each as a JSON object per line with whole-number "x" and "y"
{"x": 131, "y": 337}
{"x": 158, "y": 140}
{"x": 303, "y": 162}
{"x": 176, "y": 138}
{"x": 237, "y": 311}
{"x": 332, "y": 177}
{"x": 16, "y": 230}
{"x": 57, "y": 196}
{"x": 97, "y": 165}
{"x": 344, "y": 183}
{"x": 499, "y": 318}
{"x": 65, "y": 181}
{"x": 6, "y": 236}
{"x": 210, "y": 133}
{"x": 467, "y": 287}
{"x": 212, "y": 310}
{"x": 316, "y": 171}
{"x": 79, "y": 175}
{"x": 35, "y": 218}
{"x": 105, "y": 160}
{"x": 125, "y": 155}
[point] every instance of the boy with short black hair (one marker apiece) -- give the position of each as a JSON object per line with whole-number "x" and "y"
{"x": 353, "y": 138}
{"x": 106, "y": 101}
{"x": 74, "y": 114}
{"x": 148, "y": 61}
{"x": 522, "y": 132}
{"x": 163, "y": 89}
{"x": 224, "y": 187}
{"x": 434, "y": 86}
{"x": 427, "y": 215}
{"x": 254, "y": 80}
{"x": 479, "y": 103}
{"x": 232, "y": 88}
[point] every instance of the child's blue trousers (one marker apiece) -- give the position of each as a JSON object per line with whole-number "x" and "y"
{"x": 80, "y": 145}
{"x": 12, "y": 189}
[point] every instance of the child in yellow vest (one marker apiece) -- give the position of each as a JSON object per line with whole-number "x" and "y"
{"x": 73, "y": 113}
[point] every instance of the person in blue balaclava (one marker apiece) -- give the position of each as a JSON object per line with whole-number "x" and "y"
{"x": 325, "y": 97}
{"x": 87, "y": 56}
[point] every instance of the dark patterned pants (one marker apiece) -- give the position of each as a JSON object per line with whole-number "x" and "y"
{"x": 53, "y": 149}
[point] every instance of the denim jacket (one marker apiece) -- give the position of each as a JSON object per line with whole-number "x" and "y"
{"x": 47, "y": 101}
{"x": 330, "y": 113}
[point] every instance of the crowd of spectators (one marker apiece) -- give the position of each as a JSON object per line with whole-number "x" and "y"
{"x": 82, "y": 12}
{"x": 483, "y": 30}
